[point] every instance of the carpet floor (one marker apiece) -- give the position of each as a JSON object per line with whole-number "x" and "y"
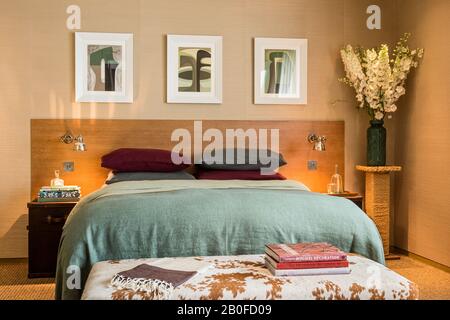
{"x": 433, "y": 283}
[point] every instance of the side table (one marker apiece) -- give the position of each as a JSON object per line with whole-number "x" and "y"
{"x": 377, "y": 200}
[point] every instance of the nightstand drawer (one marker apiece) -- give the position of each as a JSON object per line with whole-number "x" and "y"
{"x": 45, "y": 224}
{"x": 352, "y": 196}
{"x": 358, "y": 200}
{"x": 47, "y": 219}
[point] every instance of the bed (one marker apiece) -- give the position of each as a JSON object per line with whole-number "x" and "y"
{"x": 174, "y": 218}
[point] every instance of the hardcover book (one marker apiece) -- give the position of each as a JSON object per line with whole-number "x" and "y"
{"x": 305, "y": 251}
{"x": 60, "y": 188}
{"x": 58, "y": 199}
{"x": 62, "y": 192}
{"x": 306, "y": 272}
{"x": 307, "y": 264}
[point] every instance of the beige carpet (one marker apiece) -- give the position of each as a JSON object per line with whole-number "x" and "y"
{"x": 14, "y": 284}
{"x": 433, "y": 283}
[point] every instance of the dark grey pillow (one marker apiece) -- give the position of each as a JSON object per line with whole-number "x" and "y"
{"x": 141, "y": 176}
{"x": 250, "y": 162}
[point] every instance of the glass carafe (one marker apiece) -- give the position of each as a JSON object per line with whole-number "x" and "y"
{"x": 336, "y": 181}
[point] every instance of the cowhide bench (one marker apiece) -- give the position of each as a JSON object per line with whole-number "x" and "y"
{"x": 245, "y": 277}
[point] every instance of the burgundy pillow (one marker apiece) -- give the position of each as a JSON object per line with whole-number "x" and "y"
{"x": 237, "y": 175}
{"x": 131, "y": 159}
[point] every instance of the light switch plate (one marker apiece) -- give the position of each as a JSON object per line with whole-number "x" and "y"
{"x": 69, "y": 166}
{"x": 312, "y": 165}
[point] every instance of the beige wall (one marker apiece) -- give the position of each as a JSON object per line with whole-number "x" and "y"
{"x": 38, "y": 72}
{"x": 422, "y": 223}
{"x": 15, "y": 107}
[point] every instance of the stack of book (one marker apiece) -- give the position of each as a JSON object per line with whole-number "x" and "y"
{"x": 305, "y": 259}
{"x": 59, "y": 194}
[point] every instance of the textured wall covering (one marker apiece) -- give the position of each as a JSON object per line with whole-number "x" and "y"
{"x": 15, "y": 107}
{"x": 37, "y": 63}
{"x": 422, "y": 222}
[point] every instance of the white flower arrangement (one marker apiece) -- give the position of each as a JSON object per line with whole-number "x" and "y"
{"x": 378, "y": 80}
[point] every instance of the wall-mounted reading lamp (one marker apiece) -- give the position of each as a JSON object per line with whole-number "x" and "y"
{"x": 69, "y": 138}
{"x": 319, "y": 141}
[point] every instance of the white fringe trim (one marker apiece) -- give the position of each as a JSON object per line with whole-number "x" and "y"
{"x": 161, "y": 290}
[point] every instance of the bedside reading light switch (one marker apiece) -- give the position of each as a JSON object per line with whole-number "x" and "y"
{"x": 69, "y": 166}
{"x": 312, "y": 165}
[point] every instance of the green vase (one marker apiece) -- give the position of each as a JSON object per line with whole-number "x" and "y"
{"x": 376, "y": 143}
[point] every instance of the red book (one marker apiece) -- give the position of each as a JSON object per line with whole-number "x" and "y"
{"x": 306, "y": 251}
{"x": 307, "y": 264}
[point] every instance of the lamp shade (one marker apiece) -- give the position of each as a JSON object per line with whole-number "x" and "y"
{"x": 319, "y": 145}
{"x": 317, "y": 141}
{"x": 79, "y": 145}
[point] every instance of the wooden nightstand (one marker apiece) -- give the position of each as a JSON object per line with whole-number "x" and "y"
{"x": 352, "y": 196}
{"x": 45, "y": 222}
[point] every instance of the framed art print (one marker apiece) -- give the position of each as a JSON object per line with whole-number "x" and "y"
{"x": 194, "y": 69}
{"x": 280, "y": 71}
{"x": 103, "y": 67}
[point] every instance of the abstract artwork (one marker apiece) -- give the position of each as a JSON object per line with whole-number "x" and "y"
{"x": 104, "y": 67}
{"x": 280, "y": 71}
{"x": 194, "y": 69}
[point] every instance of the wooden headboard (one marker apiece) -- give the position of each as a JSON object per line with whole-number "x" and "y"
{"x": 103, "y": 136}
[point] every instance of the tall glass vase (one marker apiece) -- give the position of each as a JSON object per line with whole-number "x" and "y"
{"x": 376, "y": 143}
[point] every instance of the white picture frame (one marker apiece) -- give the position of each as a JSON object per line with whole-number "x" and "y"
{"x": 272, "y": 86}
{"x": 103, "y": 67}
{"x": 183, "y": 52}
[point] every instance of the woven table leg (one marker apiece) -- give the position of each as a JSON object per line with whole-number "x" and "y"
{"x": 377, "y": 204}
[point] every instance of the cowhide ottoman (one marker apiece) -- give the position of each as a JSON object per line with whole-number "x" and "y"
{"x": 245, "y": 277}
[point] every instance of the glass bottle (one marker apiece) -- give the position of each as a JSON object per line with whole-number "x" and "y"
{"x": 336, "y": 179}
{"x": 57, "y": 182}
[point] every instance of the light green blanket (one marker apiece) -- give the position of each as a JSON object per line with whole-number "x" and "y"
{"x": 169, "y": 218}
